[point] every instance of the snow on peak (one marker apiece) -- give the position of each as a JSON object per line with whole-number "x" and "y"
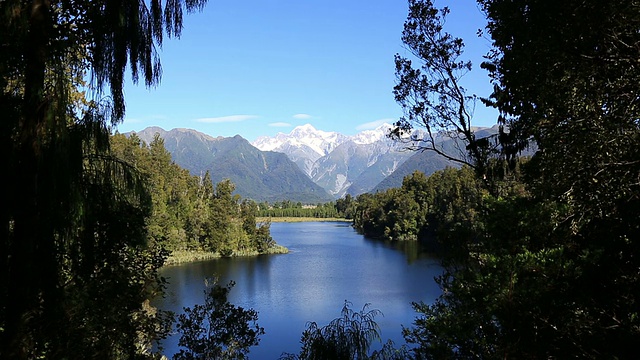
{"x": 304, "y": 128}
{"x": 267, "y": 143}
{"x": 371, "y": 136}
{"x": 322, "y": 142}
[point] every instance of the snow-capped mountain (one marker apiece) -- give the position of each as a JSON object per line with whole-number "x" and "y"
{"x": 339, "y": 162}
{"x": 360, "y": 166}
{"x": 303, "y": 145}
{"x": 321, "y": 142}
{"x": 372, "y": 136}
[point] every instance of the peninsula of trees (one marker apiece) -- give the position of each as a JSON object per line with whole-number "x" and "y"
{"x": 189, "y": 213}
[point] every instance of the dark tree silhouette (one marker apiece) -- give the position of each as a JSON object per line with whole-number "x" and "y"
{"x": 72, "y": 215}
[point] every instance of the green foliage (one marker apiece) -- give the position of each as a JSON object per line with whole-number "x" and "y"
{"x": 188, "y": 212}
{"x": 262, "y": 238}
{"x": 348, "y": 337}
{"x": 550, "y": 270}
{"x": 73, "y": 235}
{"x": 574, "y": 94}
{"x": 75, "y": 246}
{"x": 498, "y": 289}
{"x": 442, "y": 204}
{"x": 345, "y": 206}
{"x": 217, "y": 329}
{"x": 288, "y": 208}
{"x": 431, "y": 95}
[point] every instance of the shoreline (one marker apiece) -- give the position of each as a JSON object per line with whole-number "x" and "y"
{"x": 179, "y": 257}
{"x": 186, "y": 256}
{"x": 299, "y": 219}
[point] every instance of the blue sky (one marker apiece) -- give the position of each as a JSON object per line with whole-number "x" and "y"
{"x": 259, "y": 67}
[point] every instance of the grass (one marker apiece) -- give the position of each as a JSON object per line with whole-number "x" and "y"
{"x": 184, "y": 256}
{"x": 299, "y": 219}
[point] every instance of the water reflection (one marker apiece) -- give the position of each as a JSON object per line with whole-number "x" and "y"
{"x": 413, "y": 250}
{"x": 328, "y": 263}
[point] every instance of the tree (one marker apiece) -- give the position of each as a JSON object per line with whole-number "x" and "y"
{"x": 347, "y": 337}
{"x": 432, "y": 96}
{"x": 187, "y": 213}
{"x": 575, "y": 93}
{"x": 217, "y": 329}
{"x": 502, "y": 289}
{"x": 552, "y": 272}
{"x": 344, "y": 206}
{"x": 262, "y": 238}
{"x": 442, "y": 206}
{"x": 56, "y": 243}
{"x": 248, "y": 211}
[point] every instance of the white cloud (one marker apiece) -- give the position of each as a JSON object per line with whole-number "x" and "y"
{"x": 280, "y": 124}
{"x": 226, "y": 119}
{"x": 302, "y": 116}
{"x": 374, "y": 124}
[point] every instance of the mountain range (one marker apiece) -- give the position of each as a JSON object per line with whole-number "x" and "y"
{"x": 306, "y": 165}
{"x": 339, "y": 163}
{"x": 258, "y": 175}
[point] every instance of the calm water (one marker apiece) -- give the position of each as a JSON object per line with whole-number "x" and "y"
{"x": 328, "y": 263}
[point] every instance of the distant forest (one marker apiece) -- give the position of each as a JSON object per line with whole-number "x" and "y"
{"x": 341, "y": 208}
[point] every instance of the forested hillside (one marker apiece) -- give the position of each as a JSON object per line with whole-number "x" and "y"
{"x": 188, "y": 212}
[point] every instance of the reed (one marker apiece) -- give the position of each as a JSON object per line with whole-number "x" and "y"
{"x": 299, "y": 219}
{"x": 185, "y": 256}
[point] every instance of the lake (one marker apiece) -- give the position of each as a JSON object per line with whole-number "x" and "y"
{"x": 328, "y": 263}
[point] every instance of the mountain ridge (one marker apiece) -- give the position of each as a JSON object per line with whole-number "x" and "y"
{"x": 292, "y": 166}
{"x": 360, "y": 161}
{"x": 258, "y": 175}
